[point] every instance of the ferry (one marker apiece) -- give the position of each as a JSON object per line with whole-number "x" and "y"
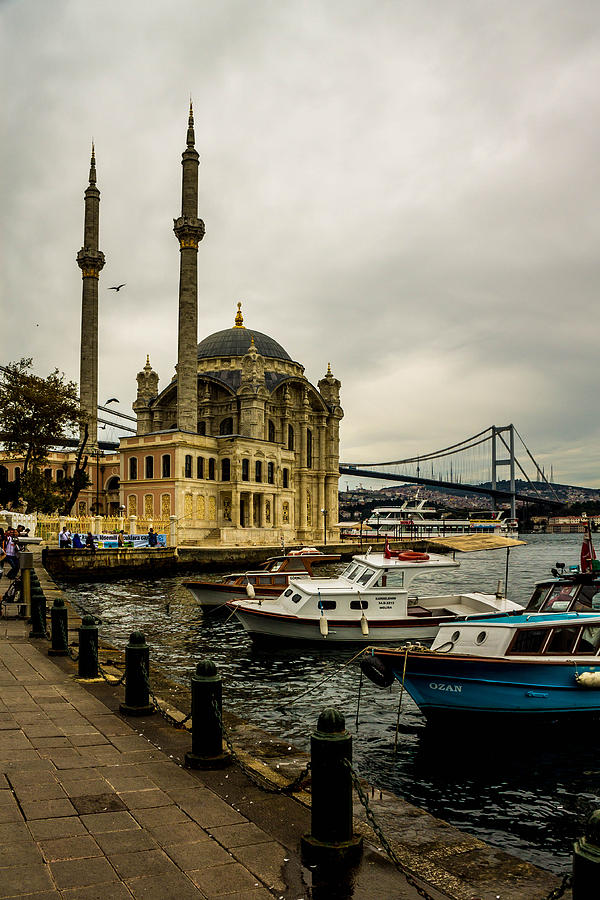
{"x": 368, "y": 603}
{"x": 414, "y": 519}
{"x": 542, "y": 662}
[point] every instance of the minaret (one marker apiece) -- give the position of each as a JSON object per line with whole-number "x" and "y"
{"x": 190, "y": 231}
{"x": 90, "y": 260}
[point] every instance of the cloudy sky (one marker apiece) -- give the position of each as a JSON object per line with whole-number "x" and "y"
{"x": 408, "y": 190}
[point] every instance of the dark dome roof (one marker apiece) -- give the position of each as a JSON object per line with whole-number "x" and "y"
{"x": 236, "y": 341}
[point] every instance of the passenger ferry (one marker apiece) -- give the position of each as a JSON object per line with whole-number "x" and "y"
{"x": 414, "y": 519}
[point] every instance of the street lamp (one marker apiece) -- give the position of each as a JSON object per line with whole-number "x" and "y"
{"x": 324, "y": 513}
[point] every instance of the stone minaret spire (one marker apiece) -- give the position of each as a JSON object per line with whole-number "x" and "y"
{"x": 190, "y": 231}
{"x": 90, "y": 260}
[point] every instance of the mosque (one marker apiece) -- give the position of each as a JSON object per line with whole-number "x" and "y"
{"x": 238, "y": 446}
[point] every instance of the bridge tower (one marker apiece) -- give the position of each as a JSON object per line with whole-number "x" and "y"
{"x": 497, "y": 432}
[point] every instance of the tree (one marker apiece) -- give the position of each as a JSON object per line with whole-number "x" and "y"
{"x": 36, "y": 415}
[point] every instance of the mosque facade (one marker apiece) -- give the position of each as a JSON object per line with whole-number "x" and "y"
{"x": 239, "y": 446}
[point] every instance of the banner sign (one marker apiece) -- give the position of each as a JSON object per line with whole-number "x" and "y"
{"x": 130, "y": 541}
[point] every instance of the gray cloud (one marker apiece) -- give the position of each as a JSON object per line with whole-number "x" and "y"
{"x": 408, "y": 191}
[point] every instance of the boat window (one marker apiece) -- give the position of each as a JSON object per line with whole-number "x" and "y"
{"x": 264, "y": 579}
{"x": 589, "y": 641}
{"x": 481, "y": 637}
{"x": 381, "y": 581}
{"x": 366, "y": 576}
{"x": 351, "y": 571}
{"x": 562, "y": 640}
{"x": 296, "y": 598}
{"x": 528, "y": 640}
{"x": 359, "y": 604}
{"x": 588, "y": 597}
{"x": 279, "y": 579}
{"x": 455, "y": 636}
{"x": 288, "y": 593}
{"x": 538, "y": 597}
{"x": 560, "y": 598}
{"x": 276, "y": 566}
{"x": 327, "y": 604}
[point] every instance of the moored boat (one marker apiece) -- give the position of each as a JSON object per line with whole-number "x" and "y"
{"x": 542, "y": 662}
{"x": 266, "y": 582}
{"x": 368, "y": 603}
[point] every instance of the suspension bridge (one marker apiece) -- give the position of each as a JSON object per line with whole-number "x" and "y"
{"x": 474, "y": 465}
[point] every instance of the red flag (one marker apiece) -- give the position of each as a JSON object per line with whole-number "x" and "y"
{"x": 588, "y": 554}
{"x": 386, "y": 550}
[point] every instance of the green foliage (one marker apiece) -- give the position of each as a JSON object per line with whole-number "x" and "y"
{"x": 36, "y": 413}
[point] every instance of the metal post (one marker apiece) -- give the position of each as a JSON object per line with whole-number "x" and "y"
{"x": 331, "y": 839}
{"x": 38, "y": 613}
{"x": 586, "y": 861}
{"x": 26, "y": 563}
{"x": 207, "y": 730}
{"x": 137, "y": 670}
{"x": 60, "y": 628}
{"x": 88, "y": 648}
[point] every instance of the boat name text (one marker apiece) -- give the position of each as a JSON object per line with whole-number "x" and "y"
{"x": 455, "y": 688}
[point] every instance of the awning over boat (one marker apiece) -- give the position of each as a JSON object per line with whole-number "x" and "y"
{"x": 466, "y": 543}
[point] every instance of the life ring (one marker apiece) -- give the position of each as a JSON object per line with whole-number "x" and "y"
{"x": 413, "y": 556}
{"x": 377, "y": 671}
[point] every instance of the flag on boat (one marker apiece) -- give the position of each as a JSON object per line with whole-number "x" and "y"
{"x": 387, "y": 552}
{"x": 588, "y": 554}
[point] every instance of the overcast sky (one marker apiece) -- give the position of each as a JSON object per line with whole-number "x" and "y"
{"x": 408, "y": 190}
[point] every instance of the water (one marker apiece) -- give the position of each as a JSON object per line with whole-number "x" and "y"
{"x": 528, "y": 794}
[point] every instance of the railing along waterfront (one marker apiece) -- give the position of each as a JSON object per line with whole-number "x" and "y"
{"x": 48, "y": 527}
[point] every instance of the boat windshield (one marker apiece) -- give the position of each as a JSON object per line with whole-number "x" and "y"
{"x": 537, "y": 598}
{"x": 351, "y": 571}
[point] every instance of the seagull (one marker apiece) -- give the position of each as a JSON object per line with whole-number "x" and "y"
{"x": 112, "y": 400}
{"x": 117, "y": 287}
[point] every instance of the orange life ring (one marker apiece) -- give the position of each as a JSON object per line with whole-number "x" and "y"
{"x": 413, "y": 556}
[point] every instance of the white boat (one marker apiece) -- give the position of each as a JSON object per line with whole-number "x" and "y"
{"x": 414, "y": 519}
{"x": 368, "y": 603}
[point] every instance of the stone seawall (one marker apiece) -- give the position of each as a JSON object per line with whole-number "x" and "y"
{"x": 67, "y": 565}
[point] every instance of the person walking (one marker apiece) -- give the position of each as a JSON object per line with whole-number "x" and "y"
{"x": 10, "y": 549}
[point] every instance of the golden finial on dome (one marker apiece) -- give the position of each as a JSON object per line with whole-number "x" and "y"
{"x": 329, "y": 368}
{"x": 239, "y": 319}
{"x": 147, "y": 359}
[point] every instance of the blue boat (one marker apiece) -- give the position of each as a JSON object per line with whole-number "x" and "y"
{"x": 541, "y": 662}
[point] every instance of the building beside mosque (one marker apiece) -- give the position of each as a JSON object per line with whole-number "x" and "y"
{"x": 239, "y": 446}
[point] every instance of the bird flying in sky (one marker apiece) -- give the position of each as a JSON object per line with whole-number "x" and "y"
{"x": 117, "y": 287}
{"x": 112, "y": 400}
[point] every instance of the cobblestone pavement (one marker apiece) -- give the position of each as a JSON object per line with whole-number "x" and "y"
{"x": 92, "y": 809}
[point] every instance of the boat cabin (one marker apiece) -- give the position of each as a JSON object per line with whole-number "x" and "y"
{"x": 568, "y": 593}
{"x": 537, "y": 635}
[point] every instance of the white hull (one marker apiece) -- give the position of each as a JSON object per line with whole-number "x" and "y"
{"x": 346, "y": 633}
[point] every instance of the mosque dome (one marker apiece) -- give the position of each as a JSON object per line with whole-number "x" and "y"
{"x": 236, "y": 342}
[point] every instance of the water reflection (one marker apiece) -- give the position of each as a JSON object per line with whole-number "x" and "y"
{"x": 526, "y": 793}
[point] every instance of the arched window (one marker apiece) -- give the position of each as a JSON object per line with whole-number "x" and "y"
{"x": 211, "y": 469}
{"x": 226, "y": 470}
{"x": 133, "y": 468}
{"x": 201, "y": 427}
{"x": 60, "y": 475}
{"x": 271, "y": 473}
{"x": 271, "y": 431}
{"x": 285, "y": 475}
{"x": 188, "y": 466}
{"x": 149, "y": 467}
{"x": 245, "y": 470}
{"x": 166, "y": 465}
{"x": 226, "y": 426}
{"x": 258, "y": 470}
{"x": 309, "y": 448}
{"x": 17, "y": 473}
{"x": 290, "y": 441}
{"x": 200, "y": 467}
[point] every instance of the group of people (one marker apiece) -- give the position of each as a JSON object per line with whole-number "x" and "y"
{"x": 9, "y": 547}
{"x": 67, "y": 540}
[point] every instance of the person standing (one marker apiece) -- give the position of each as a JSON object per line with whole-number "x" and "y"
{"x": 152, "y": 538}
{"x": 10, "y": 549}
{"x": 64, "y": 538}
{"x": 89, "y": 542}
{"x": 121, "y": 539}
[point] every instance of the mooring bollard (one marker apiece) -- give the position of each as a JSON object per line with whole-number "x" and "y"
{"x": 59, "y": 618}
{"x": 331, "y": 839}
{"x": 38, "y": 613}
{"x": 88, "y": 648}
{"x": 586, "y": 861}
{"x": 207, "y": 729}
{"x": 137, "y": 669}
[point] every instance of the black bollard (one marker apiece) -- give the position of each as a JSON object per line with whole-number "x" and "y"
{"x": 88, "y": 648}
{"x": 38, "y": 613}
{"x": 586, "y": 861}
{"x": 207, "y": 730}
{"x": 137, "y": 670}
{"x": 331, "y": 839}
{"x": 60, "y": 628}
